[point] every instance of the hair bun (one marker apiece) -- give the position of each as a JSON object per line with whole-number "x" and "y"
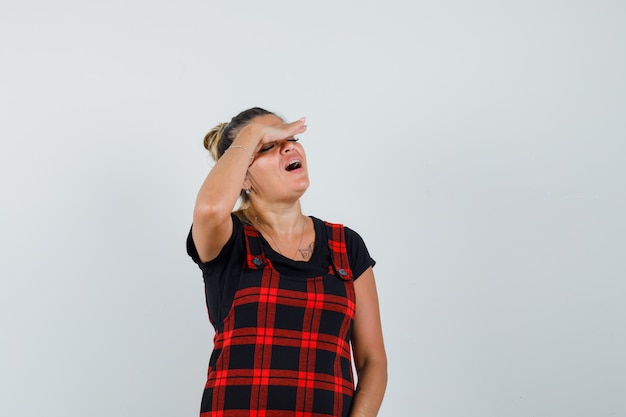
{"x": 213, "y": 138}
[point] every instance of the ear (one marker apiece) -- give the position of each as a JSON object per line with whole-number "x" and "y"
{"x": 246, "y": 183}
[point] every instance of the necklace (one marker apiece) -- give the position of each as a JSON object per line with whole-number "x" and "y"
{"x": 260, "y": 223}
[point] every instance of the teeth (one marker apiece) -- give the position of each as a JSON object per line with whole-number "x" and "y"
{"x": 293, "y": 165}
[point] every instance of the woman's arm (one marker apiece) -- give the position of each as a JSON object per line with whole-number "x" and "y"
{"x": 212, "y": 224}
{"x": 369, "y": 349}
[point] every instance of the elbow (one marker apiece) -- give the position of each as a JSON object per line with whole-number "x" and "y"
{"x": 376, "y": 364}
{"x": 382, "y": 369}
{"x": 210, "y": 213}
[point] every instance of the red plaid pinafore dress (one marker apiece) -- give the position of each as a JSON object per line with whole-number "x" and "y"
{"x": 284, "y": 347}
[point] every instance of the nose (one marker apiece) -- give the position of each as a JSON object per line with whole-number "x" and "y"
{"x": 287, "y": 146}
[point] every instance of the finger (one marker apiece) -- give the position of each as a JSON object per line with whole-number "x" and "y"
{"x": 285, "y": 131}
{"x": 299, "y": 126}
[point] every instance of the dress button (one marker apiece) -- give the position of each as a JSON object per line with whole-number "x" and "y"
{"x": 342, "y": 272}
{"x": 257, "y": 261}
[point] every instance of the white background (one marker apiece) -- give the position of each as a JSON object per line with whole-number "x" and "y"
{"x": 478, "y": 148}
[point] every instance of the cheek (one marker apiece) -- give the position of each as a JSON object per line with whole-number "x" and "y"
{"x": 257, "y": 172}
{"x": 301, "y": 150}
{"x": 258, "y": 167}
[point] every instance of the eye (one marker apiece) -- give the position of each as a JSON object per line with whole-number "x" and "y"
{"x": 293, "y": 139}
{"x": 267, "y": 147}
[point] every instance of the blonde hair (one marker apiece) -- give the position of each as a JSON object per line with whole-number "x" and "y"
{"x": 213, "y": 139}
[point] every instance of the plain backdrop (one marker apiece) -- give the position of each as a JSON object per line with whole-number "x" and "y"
{"x": 477, "y": 146}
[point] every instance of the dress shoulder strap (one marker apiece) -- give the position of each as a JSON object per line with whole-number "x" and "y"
{"x": 338, "y": 251}
{"x": 255, "y": 258}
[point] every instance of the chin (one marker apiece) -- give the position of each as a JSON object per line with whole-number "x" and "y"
{"x": 305, "y": 185}
{"x": 299, "y": 191}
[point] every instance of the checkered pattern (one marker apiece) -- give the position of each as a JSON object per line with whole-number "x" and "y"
{"x": 284, "y": 348}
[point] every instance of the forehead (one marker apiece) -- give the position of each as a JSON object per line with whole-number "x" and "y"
{"x": 269, "y": 120}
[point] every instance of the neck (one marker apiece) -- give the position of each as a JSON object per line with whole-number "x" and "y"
{"x": 281, "y": 221}
{"x": 284, "y": 229}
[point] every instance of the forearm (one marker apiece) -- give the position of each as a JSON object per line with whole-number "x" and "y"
{"x": 219, "y": 191}
{"x": 370, "y": 389}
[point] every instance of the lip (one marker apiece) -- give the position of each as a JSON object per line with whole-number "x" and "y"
{"x": 293, "y": 157}
{"x": 291, "y": 161}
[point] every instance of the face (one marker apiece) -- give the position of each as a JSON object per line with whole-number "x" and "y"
{"x": 279, "y": 170}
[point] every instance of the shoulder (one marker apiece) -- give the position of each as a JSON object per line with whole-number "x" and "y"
{"x": 358, "y": 254}
{"x": 350, "y": 236}
{"x": 236, "y": 236}
{"x": 353, "y": 237}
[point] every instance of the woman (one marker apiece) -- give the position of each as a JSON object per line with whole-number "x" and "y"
{"x": 286, "y": 293}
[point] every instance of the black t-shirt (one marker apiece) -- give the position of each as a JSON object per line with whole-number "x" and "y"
{"x": 221, "y": 275}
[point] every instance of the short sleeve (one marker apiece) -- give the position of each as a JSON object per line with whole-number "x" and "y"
{"x": 358, "y": 255}
{"x": 192, "y": 251}
{"x": 221, "y": 275}
{"x": 191, "y": 248}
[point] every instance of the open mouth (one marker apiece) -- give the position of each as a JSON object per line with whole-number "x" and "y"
{"x": 295, "y": 164}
